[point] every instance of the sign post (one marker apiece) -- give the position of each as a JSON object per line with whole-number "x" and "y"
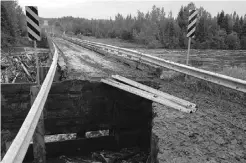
{"x": 37, "y": 64}
{"x": 188, "y": 54}
{"x": 191, "y": 30}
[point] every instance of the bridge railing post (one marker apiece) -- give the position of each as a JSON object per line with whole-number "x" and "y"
{"x": 39, "y": 152}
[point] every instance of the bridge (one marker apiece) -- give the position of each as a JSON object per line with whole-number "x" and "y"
{"x": 116, "y": 89}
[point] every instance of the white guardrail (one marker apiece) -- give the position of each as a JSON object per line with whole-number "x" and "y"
{"x": 227, "y": 81}
{"x": 19, "y": 146}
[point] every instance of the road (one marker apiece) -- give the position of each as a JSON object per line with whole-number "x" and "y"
{"x": 85, "y": 64}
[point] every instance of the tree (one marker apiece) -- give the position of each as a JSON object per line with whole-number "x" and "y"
{"x": 6, "y": 29}
{"x": 228, "y": 24}
{"x": 220, "y": 19}
{"x": 243, "y": 36}
{"x": 21, "y": 21}
{"x": 243, "y": 42}
{"x": 243, "y": 32}
{"x": 221, "y": 37}
{"x": 182, "y": 21}
{"x": 236, "y": 26}
{"x": 232, "y": 41}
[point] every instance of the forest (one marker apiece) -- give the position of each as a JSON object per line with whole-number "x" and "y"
{"x": 155, "y": 29}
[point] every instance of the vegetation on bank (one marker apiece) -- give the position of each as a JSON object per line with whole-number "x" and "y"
{"x": 157, "y": 28}
{"x": 13, "y": 23}
{"x": 236, "y": 72}
{"x": 13, "y": 27}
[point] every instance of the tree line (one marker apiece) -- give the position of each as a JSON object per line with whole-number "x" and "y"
{"x": 157, "y": 28}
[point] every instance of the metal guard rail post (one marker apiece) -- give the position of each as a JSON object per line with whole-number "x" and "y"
{"x": 227, "y": 81}
{"x": 19, "y": 146}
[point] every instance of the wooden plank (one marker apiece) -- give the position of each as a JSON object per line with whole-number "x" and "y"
{"x": 147, "y": 95}
{"x": 84, "y": 146}
{"x": 154, "y": 91}
{"x": 74, "y": 124}
{"x": 15, "y": 88}
{"x": 75, "y": 147}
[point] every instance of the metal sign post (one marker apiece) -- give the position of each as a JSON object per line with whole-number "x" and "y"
{"x": 188, "y": 54}
{"x": 191, "y": 30}
{"x": 37, "y": 63}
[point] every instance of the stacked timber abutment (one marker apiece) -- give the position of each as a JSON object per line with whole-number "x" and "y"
{"x": 76, "y": 106}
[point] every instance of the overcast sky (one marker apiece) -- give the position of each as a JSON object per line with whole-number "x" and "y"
{"x": 104, "y": 9}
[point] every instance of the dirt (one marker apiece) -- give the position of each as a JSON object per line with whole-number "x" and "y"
{"x": 215, "y": 133}
{"x": 86, "y": 64}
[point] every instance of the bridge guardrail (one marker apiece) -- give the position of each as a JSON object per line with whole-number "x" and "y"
{"x": 19, "y": 146}
{"x": 227, "y": 81}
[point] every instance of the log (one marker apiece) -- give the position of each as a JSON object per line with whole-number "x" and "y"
{"x": 25, "y": 69}
{"x": 27, "y": 55}
{"x": 15, "y": 77}
{"x": 6, "y": 78}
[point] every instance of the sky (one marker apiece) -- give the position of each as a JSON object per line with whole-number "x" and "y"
{"x": 104, "y": 9}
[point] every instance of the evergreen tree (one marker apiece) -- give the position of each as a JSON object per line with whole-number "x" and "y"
{"x": 243, "y": 33}
{"x": 226, "y": 24}
{"x": 236, "y": 26}
{"x": 232, "y": 41}
{"x": 220, "y": 19}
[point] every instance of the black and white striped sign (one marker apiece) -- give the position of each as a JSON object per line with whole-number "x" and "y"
{"x": 192, "y": 23}
{"x": 33, "y": 28}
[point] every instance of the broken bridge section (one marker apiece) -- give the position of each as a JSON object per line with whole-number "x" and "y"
{"x": 79, "y": 106}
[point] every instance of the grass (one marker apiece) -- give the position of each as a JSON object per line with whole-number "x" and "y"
{"x": 197, "y": 85}
{"x": 236, "y": 72}
{"x": 113, "y": 41}
{"x": 226, "y": 93}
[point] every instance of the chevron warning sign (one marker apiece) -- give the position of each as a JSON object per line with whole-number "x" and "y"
{"x": 192, "y": 23}
{"x": 33, "y": 28}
